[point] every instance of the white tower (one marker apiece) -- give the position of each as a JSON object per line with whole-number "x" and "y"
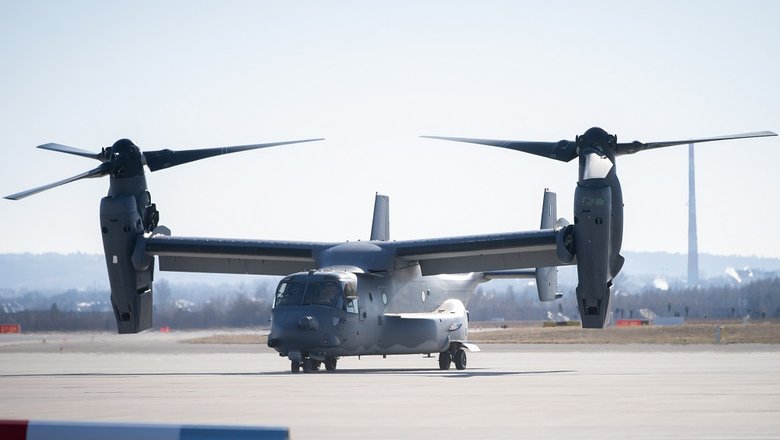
{"x": 693, "y": 246}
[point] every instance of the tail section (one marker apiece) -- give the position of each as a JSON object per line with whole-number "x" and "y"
{"x": 547, "y": 277}
{"x": 380, "y": 226}
{"x": 549, "y": 210}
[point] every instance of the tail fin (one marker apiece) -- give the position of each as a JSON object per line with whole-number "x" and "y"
{"x": 549, "y": 210}
{"x": 380, "y": 226}
{"x": 547, "y": 277}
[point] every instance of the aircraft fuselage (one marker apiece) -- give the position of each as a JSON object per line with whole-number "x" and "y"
{"x": 326, "y": 314}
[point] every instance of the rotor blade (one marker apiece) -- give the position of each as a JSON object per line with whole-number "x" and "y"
{"x": 633, "y": 147}
{"x": 561, "y": 150}
{"x": 101, "y": 170}
{"x": 161, "y": 159}
{"x": 72, "y": 150}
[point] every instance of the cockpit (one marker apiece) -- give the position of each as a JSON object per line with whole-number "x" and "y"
{"x": 329, "y": 289}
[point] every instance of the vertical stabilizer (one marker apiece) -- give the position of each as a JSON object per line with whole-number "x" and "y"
{"x": 380, "y": 227}
{"x": 547, "y": 277}
{"x": 549, "y": 210}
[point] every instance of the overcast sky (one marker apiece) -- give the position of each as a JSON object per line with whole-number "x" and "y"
{"x": 371, "y": 77}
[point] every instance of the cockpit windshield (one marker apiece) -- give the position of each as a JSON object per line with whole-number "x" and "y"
{"x": 290, "y": 293}
{"x": 321, "y": 291}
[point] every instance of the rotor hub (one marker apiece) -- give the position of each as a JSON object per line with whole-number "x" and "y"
{"x": 126, "y": 159}
{"x": 597, "y": 140}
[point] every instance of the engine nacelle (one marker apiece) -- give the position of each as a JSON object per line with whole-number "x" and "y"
{"x": 131, "y": 286}
{"x": 592, "y": 240}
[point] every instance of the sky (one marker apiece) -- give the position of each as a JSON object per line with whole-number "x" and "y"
{"x": 371, "y": 77}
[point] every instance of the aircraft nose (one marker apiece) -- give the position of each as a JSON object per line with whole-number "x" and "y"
{"x": 308, "y": 323}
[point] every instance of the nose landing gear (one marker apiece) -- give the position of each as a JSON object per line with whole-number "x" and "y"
{"x": 309, "y": 365}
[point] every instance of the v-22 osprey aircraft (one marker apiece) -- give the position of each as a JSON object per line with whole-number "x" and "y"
{"x": 376, "y": 297}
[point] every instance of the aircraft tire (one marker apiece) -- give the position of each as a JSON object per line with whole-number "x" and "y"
{"x": 330, "y": 363}
{"x": 295, "y": 367}
{"x": 307, "y": 366}
{"x": 315, "y": 365}
{"x": 445, "y": 359}
{"x": 460, "y": 359}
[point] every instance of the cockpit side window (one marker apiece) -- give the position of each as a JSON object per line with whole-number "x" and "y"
{"x": 289, "y": 293}
{"x": 350, "y": 294}
{"x": 352, "y": 305}
{"x": 349, "y": 290}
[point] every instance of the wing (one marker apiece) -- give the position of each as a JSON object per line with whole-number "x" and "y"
{"x": 481, "y": 253}
{"x": 217, "y": 255}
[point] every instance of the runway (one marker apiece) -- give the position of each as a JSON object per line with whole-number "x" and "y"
{"x": 520, "y": 391}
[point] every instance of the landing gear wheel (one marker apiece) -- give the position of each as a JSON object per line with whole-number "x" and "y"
{"x": 307, "y": 365}
{"x": 295, "y": 367}
{"x": 330, "y": 363}
{"x": 445, "y": 359}
{"x": 315, "y": 365}
{"x": 460, "y": 359}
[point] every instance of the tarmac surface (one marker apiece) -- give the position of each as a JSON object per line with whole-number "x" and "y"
{"x": 507, "y": 391}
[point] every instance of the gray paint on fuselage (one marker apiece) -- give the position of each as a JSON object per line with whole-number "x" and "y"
{"x": 409, "y": 287}
{"x": 405, "y": 325}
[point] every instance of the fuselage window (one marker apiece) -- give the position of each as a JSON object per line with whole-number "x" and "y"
{"x": 352, "y": 305}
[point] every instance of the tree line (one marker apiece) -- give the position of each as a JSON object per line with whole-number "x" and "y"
{"x": 236, "y": 311}
{"x": 757, "y": 300}
{"x": 251, "y": 307}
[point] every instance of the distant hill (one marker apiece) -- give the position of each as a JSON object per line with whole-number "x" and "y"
{"x": 676, "y": 265}
{"x": 58, "y": 272}
{"x": 52, "y": 271}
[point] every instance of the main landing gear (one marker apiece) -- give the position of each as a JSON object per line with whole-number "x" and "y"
{"x": 454, "y": 354}
{"x": 309, "y": 365}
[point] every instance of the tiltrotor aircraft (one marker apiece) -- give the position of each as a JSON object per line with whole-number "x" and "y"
{"x": 376, "y": 297}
